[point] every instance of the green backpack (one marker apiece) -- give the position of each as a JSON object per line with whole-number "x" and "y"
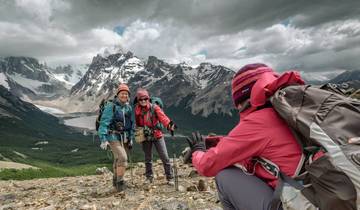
{"x": 157, "y": 101}
{"x": 101, "y": 109}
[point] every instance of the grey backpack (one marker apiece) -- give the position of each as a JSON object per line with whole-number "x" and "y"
{"x": 321, "y": 120}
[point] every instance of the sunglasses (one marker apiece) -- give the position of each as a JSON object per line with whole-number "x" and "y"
{"x": 143, "y": 99}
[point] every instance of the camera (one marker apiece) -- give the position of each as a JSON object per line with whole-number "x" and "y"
{"x": 119, "y": 126}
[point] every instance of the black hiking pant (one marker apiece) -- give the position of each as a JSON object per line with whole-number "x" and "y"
{"x": 162, "y": 151}
{"x": 242, "y": 192}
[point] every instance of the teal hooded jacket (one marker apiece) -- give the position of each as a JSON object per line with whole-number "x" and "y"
{"x": 117, "y": 122}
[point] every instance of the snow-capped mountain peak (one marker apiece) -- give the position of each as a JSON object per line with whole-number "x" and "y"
{"x": 107, "y": 51}
{"x": 205, "y": 73}
{"x": 174, "y": 83}
{"x": 29, "y": 68}
{"x": 70, "y": 74}
{"x": 106, "y": 72}
{"x": 29, "y": 79}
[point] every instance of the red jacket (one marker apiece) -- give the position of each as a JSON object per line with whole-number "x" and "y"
{"x": 259, "y": 133}
{"x": 143, "y": 117}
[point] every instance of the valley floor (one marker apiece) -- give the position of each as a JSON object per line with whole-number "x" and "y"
{"x": 96, "y": 192}
{"x": 14, "y": 165}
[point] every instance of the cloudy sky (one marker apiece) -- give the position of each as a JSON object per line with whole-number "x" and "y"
{"x": 312, "y": 36}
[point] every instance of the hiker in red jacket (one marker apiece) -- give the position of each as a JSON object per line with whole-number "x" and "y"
{"x": 150, "y": 116}
{"x": 260, "y": 133}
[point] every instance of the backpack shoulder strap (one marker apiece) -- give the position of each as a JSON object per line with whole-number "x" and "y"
{"x": 283, "y": 178}
{"x": 273, "y": 169}
{"x": 152, "y": 109}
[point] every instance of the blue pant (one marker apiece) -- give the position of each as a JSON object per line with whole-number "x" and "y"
{"x": 244, "y": 192}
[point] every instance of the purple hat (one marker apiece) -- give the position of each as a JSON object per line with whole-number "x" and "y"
{"x": 244, "y": 80}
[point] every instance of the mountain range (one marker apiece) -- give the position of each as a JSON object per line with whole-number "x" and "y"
{"x": 205, "y": 88}
{"x": 199, "y": 93}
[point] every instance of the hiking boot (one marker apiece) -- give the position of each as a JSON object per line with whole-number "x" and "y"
{"x": 170, "y": 182}
{"x": 120, "y": 185}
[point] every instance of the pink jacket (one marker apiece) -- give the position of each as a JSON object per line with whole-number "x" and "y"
{"x": 259, "y": 133}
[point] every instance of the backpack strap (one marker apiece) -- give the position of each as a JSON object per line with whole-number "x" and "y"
{"x": 152, "y": 110}
{"x": 113, "y": 107}
{"x": 113, "y": 110}
{"x": 151, "y": 118}
{"x": 273, "y": 169}
{"x": 153, "y": 114}
{"x": 283, "y": 178}
{"x": 268, "y": 165}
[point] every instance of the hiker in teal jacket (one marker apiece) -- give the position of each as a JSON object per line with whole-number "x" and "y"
{"x": 116, "y": 129}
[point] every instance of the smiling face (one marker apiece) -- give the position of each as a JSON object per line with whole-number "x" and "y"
{"x": 123, "y": 96}
{"x": 143, "y": 101}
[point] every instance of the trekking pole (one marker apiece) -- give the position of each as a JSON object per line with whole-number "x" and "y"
{"x": 172, "y": 133}
{"x": 131, "y": 167}
{"x": 175, "y": 173}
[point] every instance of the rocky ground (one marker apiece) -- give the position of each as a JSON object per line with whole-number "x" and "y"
{"x": 96, "y": 192}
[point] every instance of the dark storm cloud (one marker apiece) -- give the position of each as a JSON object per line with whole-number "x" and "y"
{"x": 212, "y": 16}
{"x": 312, "y": 35}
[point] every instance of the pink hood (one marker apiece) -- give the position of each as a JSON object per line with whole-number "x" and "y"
{"x": 268, "y": 84}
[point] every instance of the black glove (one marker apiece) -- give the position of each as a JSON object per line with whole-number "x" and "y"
{"x": 196, "y": 143}
{"x": 171, "y": 127}
{"x": 171, "y": 124}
